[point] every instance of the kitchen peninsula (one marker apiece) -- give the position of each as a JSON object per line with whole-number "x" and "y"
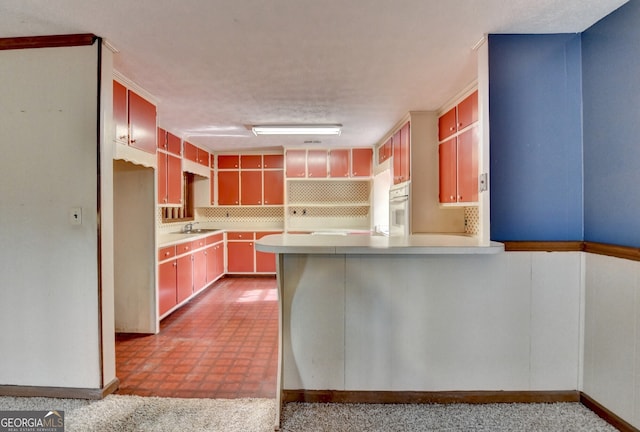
{"x": 370, "y": 317}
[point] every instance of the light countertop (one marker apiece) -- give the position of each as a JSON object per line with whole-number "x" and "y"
{"x": 169, "y": 239}
{"x": 419, "y": 244}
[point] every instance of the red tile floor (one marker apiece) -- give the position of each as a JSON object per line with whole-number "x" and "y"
{"x": 222, "y": 344}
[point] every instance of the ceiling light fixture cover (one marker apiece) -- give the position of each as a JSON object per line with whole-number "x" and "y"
{"x": 333, "y": 129}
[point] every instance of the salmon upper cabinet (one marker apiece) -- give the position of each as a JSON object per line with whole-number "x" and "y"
{"x": 401, "y": 143}
{"x": 361, "y": 162}
{"x": 134, "y": 118}
{"x": 458, "y": 152}
{"x": 273, "y": 187}
{"x": 296, "y": 163}
{"x": 169, "y": 168}
{"x": 339, "y": 162}
{"x": 459, "y": 117}
{"x": 317, "y": 163}
{"x": 195, "y": 154}
{"x": 459, "y": 168}
{"x": 248, "y": 179}
{"x": 229, "y": 187}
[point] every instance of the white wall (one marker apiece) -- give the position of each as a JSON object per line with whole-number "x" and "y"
{"x": 49, "y": 311}
{"x": 135, "y": 249}
{"x": 510, "y": 321}
{"x": 612, "y": 335}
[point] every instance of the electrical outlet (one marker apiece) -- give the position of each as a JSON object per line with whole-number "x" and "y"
{"x": 75, "y": 215}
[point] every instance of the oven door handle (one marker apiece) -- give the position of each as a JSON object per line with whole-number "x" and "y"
{"x": 399, "y": 198}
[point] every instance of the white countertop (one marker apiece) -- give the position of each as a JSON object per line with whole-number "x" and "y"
{"x": 419, "y": 244}
{"x": 169, "y": 239}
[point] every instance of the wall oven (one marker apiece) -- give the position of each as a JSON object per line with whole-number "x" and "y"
{"x": 399, "y": 210}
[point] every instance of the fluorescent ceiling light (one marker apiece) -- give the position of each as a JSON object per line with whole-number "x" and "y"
{"x": 334, "y": 129}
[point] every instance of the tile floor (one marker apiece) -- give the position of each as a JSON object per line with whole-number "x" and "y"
{"x": 222, "y": 344}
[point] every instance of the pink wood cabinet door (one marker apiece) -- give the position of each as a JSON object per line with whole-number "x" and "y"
{"x": 199, "y": 270}
{"x": 448, "y": 172}
{"x": 120, "y": 117}
{"x": 339, "y": 162}
{"x": 362, "y": 161}
{"x": 228, "y": 188}
{"x": 468, "y": 166}
{"x": 317, "y": 163}
{"x": 273, "y": 187}
{"x": 468, "y": 111}
{"x": 142, "y": 121}
{"x": 240, "y": 257}
{"x": 295, "y": 162}
{"x": 405, "y": 152}
{"x": 163, "y": 197}
{"x": 167, "y": 286}
{"x": 174, "y": 179}
{"x": 447, "y": 124}
{"x": 251, "y": 187}
{"x": 184, "y": 277}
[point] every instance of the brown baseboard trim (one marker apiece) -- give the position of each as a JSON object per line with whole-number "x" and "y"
{"x": 444, "y": 397}
{"x": 543, "y": 246}
{"x": 606, "y": 415}
{"x": 60, "y": 392}
{"x": 624, "y": 252}
{"x": 47, "y": 41}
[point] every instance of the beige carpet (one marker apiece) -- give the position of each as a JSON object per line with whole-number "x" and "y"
{"x": 118, "y": 413}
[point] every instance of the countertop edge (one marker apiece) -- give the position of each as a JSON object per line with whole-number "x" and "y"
{"x": 378, "y": 247}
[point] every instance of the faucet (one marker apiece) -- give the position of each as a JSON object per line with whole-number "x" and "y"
{"x": 188, "y": 227}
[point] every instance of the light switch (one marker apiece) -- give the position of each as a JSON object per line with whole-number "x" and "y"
{"x": 75, "y": 215}
{"x": 483, "y": 182}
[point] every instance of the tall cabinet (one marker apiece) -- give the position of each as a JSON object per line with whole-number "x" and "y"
{"x": 458, "y": 153}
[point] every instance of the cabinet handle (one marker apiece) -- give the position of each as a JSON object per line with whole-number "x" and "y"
{"x": 451, "y": 197}
{"x": 452, "y": 128}
{"x": 175, "y": 264}
{"x": 167, "y": 253}
{"x": 123, "y": 137}
{"x": 133, "y": 141}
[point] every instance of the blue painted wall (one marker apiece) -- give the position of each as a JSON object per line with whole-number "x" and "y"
{"x": 611, "y": 94}
{"x": 536, "y": 137}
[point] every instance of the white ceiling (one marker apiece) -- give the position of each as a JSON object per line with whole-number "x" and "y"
{"x": 215, "y": 66}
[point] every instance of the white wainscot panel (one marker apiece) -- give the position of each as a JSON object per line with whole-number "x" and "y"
{"x": 313, "y": 322}
{"x": 611, "y": 320}
{"x": 555, "y": 320}
{"x": 438, "y": 323}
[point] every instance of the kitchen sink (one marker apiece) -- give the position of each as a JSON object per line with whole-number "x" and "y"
{"x": 204, "y": 230}
{"x": 197, "y": 231}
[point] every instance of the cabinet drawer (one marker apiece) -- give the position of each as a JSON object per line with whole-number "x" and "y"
{"x": 216, "y": 238}
{"x": 197, "y": 244}
{"x": 238, "y": 235}
{"x": 166, "y": 253}
{"x": 184, "y": 248}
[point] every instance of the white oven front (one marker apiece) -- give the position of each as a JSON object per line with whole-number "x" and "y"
{"x": 399, "y": 210}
